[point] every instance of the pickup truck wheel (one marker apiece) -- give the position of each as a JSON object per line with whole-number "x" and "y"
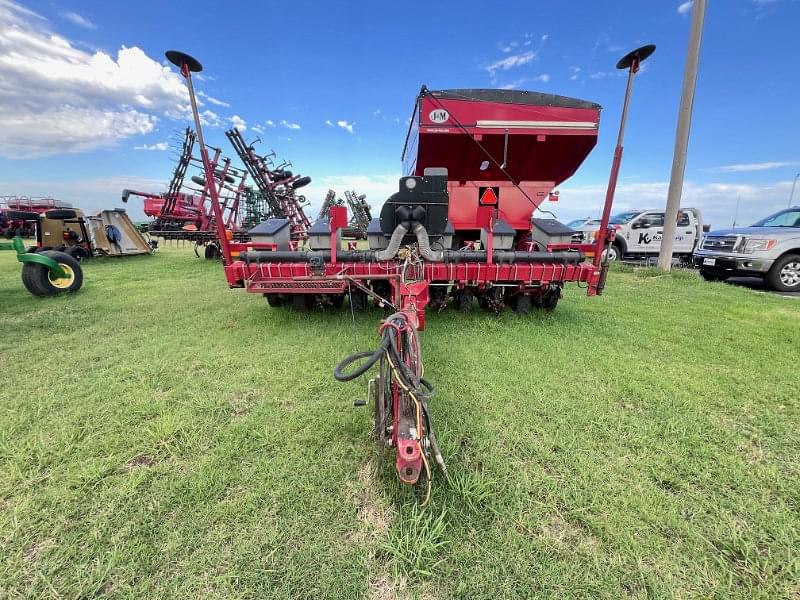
{"x": 708, "y": 276}
{"x": 614, "y": 253}
{"x": 685, "y": 261}
{"x": 784, "y": 276}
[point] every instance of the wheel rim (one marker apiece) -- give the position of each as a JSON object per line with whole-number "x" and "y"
{"x": 790, "y": 274}
{"x": 62, "y": 283}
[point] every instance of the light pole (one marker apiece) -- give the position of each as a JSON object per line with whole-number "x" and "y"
{"x": 791, "y": 195}
{"x": 682, "y": 136}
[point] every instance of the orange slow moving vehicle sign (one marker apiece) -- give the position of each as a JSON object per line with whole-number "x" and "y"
{"x": 488, "y": 195}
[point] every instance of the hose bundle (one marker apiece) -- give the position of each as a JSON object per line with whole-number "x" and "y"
{"x": 409, "y": 379}
{"x": 401, "y": 349}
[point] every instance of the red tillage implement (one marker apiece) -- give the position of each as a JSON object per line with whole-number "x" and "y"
{"x": 184, "y": 211}
{"x": 477, "y": 163}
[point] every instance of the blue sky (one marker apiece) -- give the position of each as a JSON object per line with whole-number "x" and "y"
{"x": 85, "y": 105}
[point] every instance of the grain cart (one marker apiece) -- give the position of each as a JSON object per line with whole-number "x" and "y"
{"x": 477, "y": 164}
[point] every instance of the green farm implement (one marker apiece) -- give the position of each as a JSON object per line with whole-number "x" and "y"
{"x": 46, "y": 272}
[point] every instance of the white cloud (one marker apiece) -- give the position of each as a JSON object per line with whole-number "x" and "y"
{"x": 620, "y": 73}
{"x": 238, "y": 122}
{"x": 45, "y": 64}
{"x": 270, "y": 123}
{"x": 289, "y": 125}
{"x": 545, "y": 37}
{"x": 507, "y": 47}
{"x": 574, "y": 73}
{"x": 510, "y": 62}
{"x": 348, "y": 127}
{"x": 160, "y": 146}
{"x": 258, "y": 129}
{"x": 716, "y": 200}
{"x": 685, "y": 7}
{"x": 377, "y": 112}
{"x": 68, "y": 130}
{"x": 749, "y": 167}
{"x": 78, "y": 20}
{"x": 329, "y": 123}
{"x": 56, "y": 98}
{"x": 376, "y": 187}
{"x": 212, "y": 100}
{"x": 209, "y": 118}
{"x": 14, "y": 14}
{"x": 543, "y": 78}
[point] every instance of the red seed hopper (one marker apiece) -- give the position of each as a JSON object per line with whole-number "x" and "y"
{"x": 518, "y": 144}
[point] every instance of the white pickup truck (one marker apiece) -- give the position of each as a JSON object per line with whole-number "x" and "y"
{"x": 639, "y": 233}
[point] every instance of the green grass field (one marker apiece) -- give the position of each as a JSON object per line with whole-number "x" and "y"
{"x": 162, "y": 436}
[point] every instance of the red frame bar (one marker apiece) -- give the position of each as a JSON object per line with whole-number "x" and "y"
{"x": 253, "y": 275}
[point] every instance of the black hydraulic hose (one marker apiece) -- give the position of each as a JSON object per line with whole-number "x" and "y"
{"x": 416, "y": 385}
{"x": 285, "y": 256}
{"x": 514, "y": 256}
{"x": 450, "y": 256}
{"x": 373, "y": 357}
{"x": 281, "y": 256}
{"x": 421, "y": 387}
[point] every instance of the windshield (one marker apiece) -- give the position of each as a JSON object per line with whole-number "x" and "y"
{"x": 784, "y": 218}
{"x": 576, "y": 223}
{"x": 622, "y": 218}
